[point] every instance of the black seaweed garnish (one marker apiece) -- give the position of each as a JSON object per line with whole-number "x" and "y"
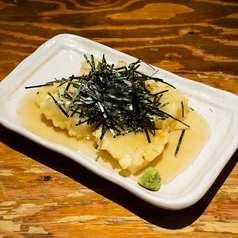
{"x": 115, "y": 99}
{"x": 179, "y": 142}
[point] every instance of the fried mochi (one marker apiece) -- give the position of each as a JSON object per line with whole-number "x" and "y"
{"x": 132, "y": 151}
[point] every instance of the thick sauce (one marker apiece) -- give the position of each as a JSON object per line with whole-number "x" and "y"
{"x": 167, "y": 164}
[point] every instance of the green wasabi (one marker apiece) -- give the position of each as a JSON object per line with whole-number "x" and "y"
{"x": 150, "y": 179}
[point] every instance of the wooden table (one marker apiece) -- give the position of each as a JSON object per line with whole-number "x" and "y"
{"x": 44, "y": 194}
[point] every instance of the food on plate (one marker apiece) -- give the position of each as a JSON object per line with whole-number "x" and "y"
{"x": 128, "y": 114}
{"x": 150, "y": 179}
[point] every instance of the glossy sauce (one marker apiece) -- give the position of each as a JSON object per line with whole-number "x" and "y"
{"x": 167, "y": 164}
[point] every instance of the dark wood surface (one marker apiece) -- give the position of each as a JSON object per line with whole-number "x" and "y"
{"x": 44, "y": 194}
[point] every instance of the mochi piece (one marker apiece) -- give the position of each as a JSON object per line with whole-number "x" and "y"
{"x": 52, "y": 112}
{"x": 133, "y": 151}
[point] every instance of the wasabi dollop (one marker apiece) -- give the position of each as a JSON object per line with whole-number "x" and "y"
{"x": 150, "y": 179}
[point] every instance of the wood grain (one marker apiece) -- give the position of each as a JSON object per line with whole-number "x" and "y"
{"x": 43, "y": 194}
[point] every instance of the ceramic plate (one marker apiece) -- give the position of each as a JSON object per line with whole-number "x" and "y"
{"x": 61, "y": 56}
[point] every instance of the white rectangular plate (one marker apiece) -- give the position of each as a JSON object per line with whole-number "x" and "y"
{"x": 61, "y": 56}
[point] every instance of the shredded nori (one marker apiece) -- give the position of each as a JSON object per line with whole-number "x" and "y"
{"x": 179, "y": 142}
{"x": 114, "y": 98}
{"x": 182, "y": 109}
